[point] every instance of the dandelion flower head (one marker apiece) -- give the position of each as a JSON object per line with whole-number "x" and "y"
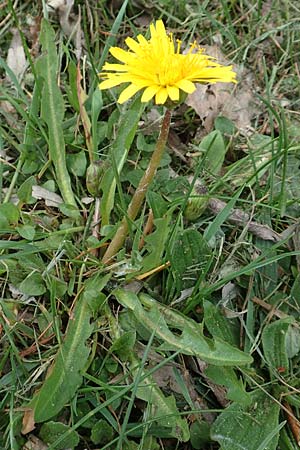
{"x": 157, "y": 68}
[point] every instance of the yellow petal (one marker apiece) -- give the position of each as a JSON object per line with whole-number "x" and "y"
{"x": 107, "y": 84}
{"x": 114, "y": 80}
{"x": 186, "y": 86}
{"x": 173, "y": 93}
{"x": 161, "y": 96}
{"x": 218, "y": 74}
{"x": 121, "y": 54}
{"x": 115, "y": 67}
{"x": 160, "y": 28}
{"x": 142, "y": 40}
{"x": 154, "y": 66}
{"x": 149, "y": 92}
{"x": 133, "y": 45}
{"x": 128, "y": 93}
{"x": 152, "y": 30}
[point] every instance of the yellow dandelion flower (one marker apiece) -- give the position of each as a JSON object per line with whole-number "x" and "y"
{"x": 157, "y": 67}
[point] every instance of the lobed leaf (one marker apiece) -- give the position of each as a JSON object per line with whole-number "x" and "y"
{"x": 190, "y": 339}
{"x": 226, "y": 376}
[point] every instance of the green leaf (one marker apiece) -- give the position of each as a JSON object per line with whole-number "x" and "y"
{"x": 53, "y": 109}
{"x": 77, "y": 163}
{"x": 226, "y": 376}
{"x": 123, "y": 345}
{"x": 188, "y": 257}
{"x": 274, "y": 341}
{"x": 292, "y": 341}
{"x": 252, "y": 167}
{"x": 97, "y": 104}
{"x": 225, "y": 125}
{"x": 10, "y": 212}
{"x": 215, "y": 151}
{"x": 130, "y": 445}
{"x": 157, "y": 203}
{"x": 111, "y": 39}
{"x": 65, "y": 377}
{"x": 119, "y": 152}
{"x": 295, "y": 290}
{"x": 287, "y": 185}
{"x": 155, "y": 243}
{"x": 69, "y": 210}
{"x": 26, "y": 232}
{"x": 218, "y": 325}
{"x": 33, "y": 284}
{"x": 215, "y": 225}
{"x": 25, "y": 191}
{"x": 51, "y": 431}
{"x": 4, "y": 224}
{"x": 58, "y": 285}
{"x": 102, "y": 432}
{"x": 71, "y": 87}
{"x": 248, "y": 428}
{"x": 200, "y": 435}
{"x": 189, "y": 340}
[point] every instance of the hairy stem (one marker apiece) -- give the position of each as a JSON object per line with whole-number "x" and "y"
{"x": 140, "y": 193}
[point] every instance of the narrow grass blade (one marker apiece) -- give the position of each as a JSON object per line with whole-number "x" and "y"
{"x": 111, "y": 38}
{"x": 221, "y": 217}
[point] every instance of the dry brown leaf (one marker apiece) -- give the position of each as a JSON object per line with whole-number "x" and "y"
{"x": 70, "y": 24}
{"x": 273, "y": 311}
{"x": 143, "y": 21}
{"x": 55, "y": 4}
{"x": 10, "y": 113}
{"x": 235, "y": 102}
{"x": 34, "y": 443}
{"x": 51, "y": 199}
{"x": 82, "y": 97}
{"x": 293, "y": 422}
{"x": 28, "y": 423}
{"x": 16, "y": 59}
{"x": 8, "y": 108}
{"x": 34, "y": 34}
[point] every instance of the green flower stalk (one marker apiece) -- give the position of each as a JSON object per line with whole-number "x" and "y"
{"x": 140, "y": 194}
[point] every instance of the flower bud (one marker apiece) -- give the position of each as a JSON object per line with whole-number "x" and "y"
{"x": 197, "y": 202}
{"x": 94, "y": 175}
